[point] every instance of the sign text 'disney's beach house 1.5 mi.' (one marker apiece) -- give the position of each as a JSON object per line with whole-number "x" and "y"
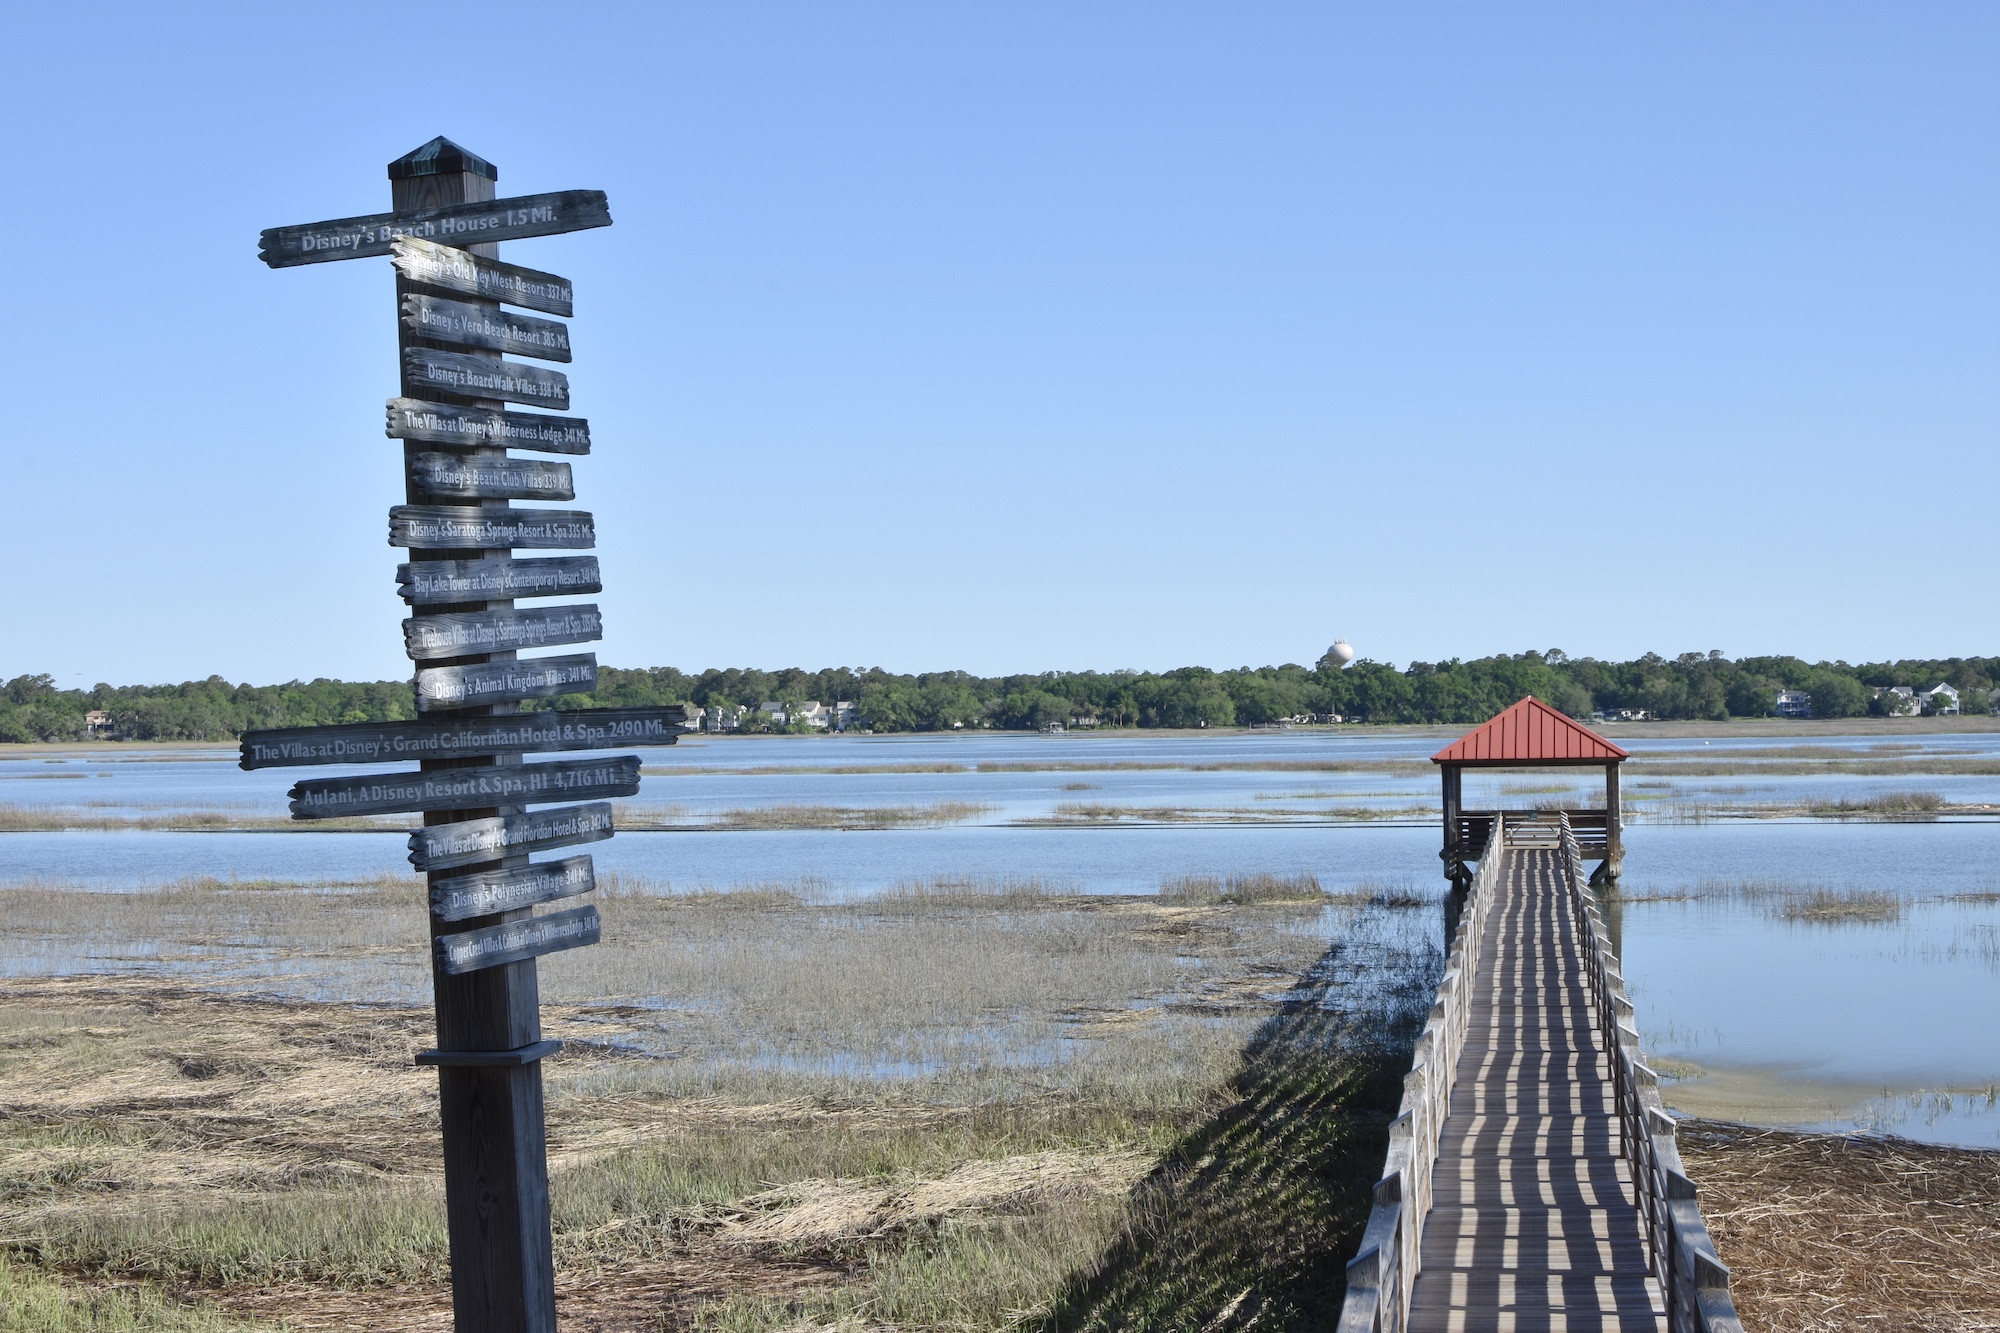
{"x": 482, "y": 222}
{"x": 477, "y": 796}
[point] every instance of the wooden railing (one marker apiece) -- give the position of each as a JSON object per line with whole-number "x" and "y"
{"x": 1380, "y": 1276}
{"x": 1475, "y": 827}
{"x": 1693, "y": 1280}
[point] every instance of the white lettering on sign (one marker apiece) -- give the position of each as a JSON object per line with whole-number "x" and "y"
{"x": 413, "y": 419}
{"x": 441, "y": 846}
{"x": 490, "y": 945}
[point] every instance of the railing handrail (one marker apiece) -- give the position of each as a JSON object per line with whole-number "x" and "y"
{"x": 1694, "y": 1281}
{"x": 1381, "y": 1275}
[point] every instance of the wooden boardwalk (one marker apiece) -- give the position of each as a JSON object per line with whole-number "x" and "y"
{"x": 1533, "y": 1224}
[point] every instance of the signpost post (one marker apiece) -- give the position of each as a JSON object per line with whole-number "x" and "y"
{"x": 473, "y": 786}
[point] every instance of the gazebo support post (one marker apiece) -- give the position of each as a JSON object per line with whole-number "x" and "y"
{"x": 1606, "y": 877}
{"x": 1454, "y": 851}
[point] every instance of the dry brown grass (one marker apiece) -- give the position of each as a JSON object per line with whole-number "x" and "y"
{"x": 1826, "y": 1233}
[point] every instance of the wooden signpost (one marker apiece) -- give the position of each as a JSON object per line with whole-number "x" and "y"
{"x": 473, "y": 785}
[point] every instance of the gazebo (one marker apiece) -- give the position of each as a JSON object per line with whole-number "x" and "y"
{"x": 1529, "y": 735}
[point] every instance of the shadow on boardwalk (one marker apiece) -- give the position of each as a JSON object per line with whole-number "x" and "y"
{"x": 1252, "y": 1217}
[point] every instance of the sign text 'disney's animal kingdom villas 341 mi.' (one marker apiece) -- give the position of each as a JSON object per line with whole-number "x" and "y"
{"x": 473, "y": 785}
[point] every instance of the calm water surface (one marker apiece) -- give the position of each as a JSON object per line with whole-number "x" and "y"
{"x": 1887, "y": 1023}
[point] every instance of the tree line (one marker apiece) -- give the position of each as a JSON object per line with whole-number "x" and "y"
{"x": 1690, "y": 686}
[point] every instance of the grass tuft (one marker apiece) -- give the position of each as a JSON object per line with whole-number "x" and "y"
{"x": 1241, "y": 889}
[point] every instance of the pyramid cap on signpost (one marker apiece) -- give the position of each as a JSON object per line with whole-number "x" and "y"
{"x": 441, "y": 157}
{"x": 1527, "y": 734}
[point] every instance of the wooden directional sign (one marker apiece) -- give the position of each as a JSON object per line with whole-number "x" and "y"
{"x": 511, "y": 941}
{"x": 504, "y": 629}
{"x": 471, "y": 427}
{"x": 449, "y": 527}
{"x": 463, "y": 324}
{"x": 469, "y": 841}
{"x": 456, "y": 477}
{"x": 478, "y": 223}
{"x": 458, "y": 317}
{"x": 495, "y": 579}
{"x": 505, "y": 682}
{"x": 475, "y": 377}
{"x": 455, "y": 738}
{"x": 436, "y": 265}
{"x": 490, "y": 892}
{"x": 466, "y": 788}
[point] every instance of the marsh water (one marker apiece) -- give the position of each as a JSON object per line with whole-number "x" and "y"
{"x": 1791, "y": 969}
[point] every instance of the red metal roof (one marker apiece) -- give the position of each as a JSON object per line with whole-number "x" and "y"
{"x": 1530, "y": 732}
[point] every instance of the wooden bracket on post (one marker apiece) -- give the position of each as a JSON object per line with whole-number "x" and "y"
{"x": 526, "y": 1055}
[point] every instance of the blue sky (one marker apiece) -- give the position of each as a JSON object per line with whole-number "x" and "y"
{"x": 1013, "y": 337}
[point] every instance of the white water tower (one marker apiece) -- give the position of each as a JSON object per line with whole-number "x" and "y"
{"x": 1341, "y": 652}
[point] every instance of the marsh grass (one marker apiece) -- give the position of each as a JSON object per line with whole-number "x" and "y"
{"x": 1396, "y": 894}
{"x": 56, "y": 819}
{"x": 1822, "y": 906}
{"x": 332, "y": 1235}
{"x": 1888, "y": 803}
{"x": 1902, "y": 806}
{"x": 1792, "y": 765}
{"x": 1401, "y": 767}
{"x": 1801, "y": 901}
{"x": 925, "y": 1108}
{"x": 990, "y": 890}
{"x": 1243, "y": 889}
{"x": 32, "y": 1301}
{"x": 1074, "y": 812}
{"x": 934, "y": 815}
{"x": 786, "y": 770}
{"x": 636, "y": 817}
{"x": 1085, "y": 812}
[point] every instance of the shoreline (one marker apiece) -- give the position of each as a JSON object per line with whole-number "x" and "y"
{"x": 1864, "y": 727}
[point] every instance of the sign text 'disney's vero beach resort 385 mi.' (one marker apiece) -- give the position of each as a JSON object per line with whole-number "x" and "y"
{"x": 487, "y": 808}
